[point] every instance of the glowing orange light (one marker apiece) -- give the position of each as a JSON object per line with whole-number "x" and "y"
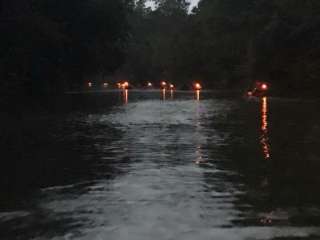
{"x": 163, "y": 84}
{"x": 264, "y": 86}
{"x": 149, "y": 84}
{"x": 171, "y": 86}
{"x": 125, "y": 85}
{"x": 249, "y": 93}
{"x": 197, "y": 86}
{"x": 89, "y": 84}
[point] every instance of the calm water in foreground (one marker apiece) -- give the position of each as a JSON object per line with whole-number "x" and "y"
{"x": 133, "y": 166}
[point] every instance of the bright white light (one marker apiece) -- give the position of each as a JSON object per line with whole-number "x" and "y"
{"x": 197, "y": 86}
{"x": 153, "y": 5}
{"x": 264, "y": 86}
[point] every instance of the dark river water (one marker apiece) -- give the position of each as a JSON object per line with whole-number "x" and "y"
{"x": 138, "y": 166}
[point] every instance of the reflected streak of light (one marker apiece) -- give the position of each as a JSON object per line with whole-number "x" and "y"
{"x": 199, "y": 154}
{"x": 264, "y": 139}
{"x": 198, "y": 95}
{"x": 163, "y": 91}
{"x": 171, "y": 93}
{"x": 264, "y": 114}
{"x": 199, "y": 160}
{"x": 266, "y": 221}
{"x": 125, "y": 96}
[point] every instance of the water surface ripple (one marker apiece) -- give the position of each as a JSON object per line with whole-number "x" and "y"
{"x": 218, "y": 168}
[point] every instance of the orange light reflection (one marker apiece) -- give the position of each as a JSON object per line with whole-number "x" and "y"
{"x": 198, "y": 95}
{"x": 199, "y": 159}
{"x": 125, "y": 96}
{"x": 264, "y": 139}
{"x": 163, "y": 91}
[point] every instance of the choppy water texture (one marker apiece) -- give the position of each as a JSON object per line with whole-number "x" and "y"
{"x": 144, "y": 168}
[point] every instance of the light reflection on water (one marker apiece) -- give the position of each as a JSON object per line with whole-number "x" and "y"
{"x": 264, "y": 139}
{"x": 164, "y": 93}
{"x": 125, "y": 96}
{"x": 178, "y": 170}
{"x": 198, "y": 95}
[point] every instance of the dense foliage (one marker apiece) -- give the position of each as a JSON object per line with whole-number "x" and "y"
{"x": 55, "y": 45}
{"x": 49, "y": 45}
{"x": 229, "y": 43}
